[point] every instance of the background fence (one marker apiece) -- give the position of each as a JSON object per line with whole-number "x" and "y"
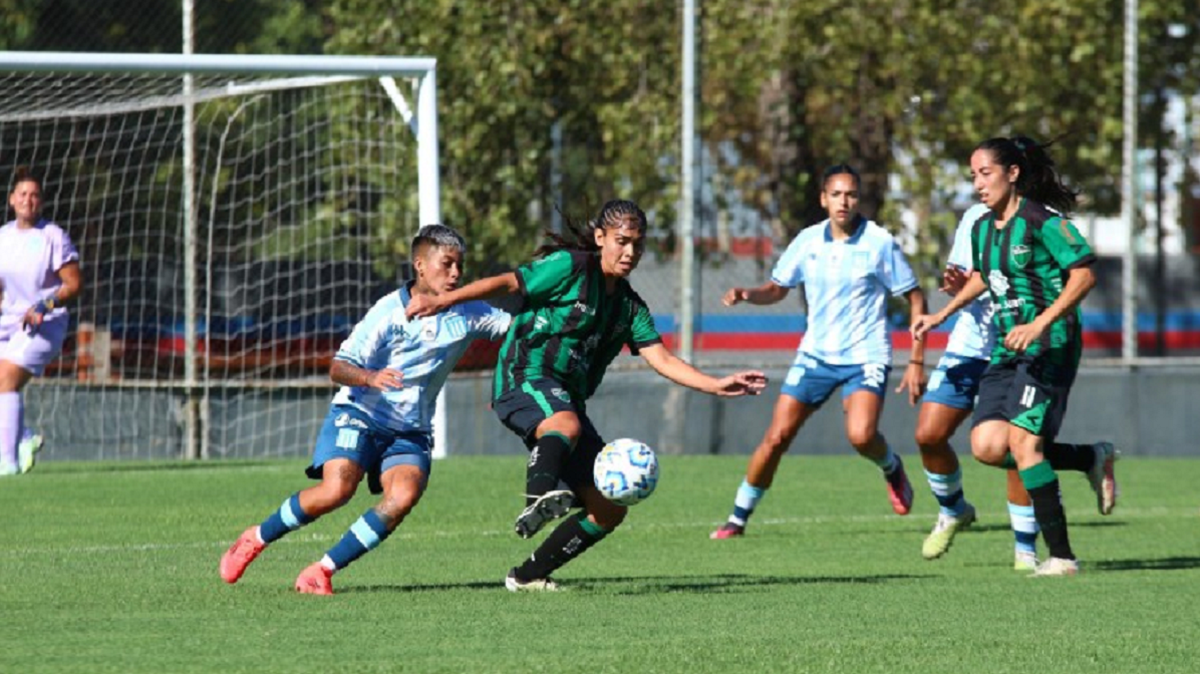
{"x": 311, "y": 205}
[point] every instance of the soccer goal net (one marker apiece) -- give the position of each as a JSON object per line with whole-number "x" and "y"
{"x": 235, "y": 215}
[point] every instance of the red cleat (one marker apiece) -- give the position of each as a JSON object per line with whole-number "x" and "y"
{"x": 316, "y": 579}
{"x": 240, "y": 554}
{"x": 727, "y": 530}
{"x": 900, "y": 492}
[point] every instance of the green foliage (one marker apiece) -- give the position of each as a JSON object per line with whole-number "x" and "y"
{"x": 828, "y": 580}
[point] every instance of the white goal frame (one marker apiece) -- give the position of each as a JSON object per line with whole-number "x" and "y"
{"x": 422, "y": 120}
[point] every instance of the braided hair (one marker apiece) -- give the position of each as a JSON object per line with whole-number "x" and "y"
{"x": 1037, "y": 179}
{"x": 581, "y": 236}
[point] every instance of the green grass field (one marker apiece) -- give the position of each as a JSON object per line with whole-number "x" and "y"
{"x": 113, "y": 568}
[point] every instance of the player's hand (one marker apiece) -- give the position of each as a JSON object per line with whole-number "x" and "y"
{"x": 1019, "y": 338}
{"x": 420, "y": 306}
{"x": 386, "y": 380}
{"x": 913, "y": 381}
{"x": 32, "y": 320}
{"x": 925, "y": 323}
{"x": 750, "y": 382}
{"x": 735, "y": 296}
{"x": 953, "y": 280}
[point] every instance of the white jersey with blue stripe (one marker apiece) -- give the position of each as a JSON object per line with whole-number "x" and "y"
{"x": 973, "y": 335}
{"x": 846, "y": 286}
{"x": 425, "y": 350}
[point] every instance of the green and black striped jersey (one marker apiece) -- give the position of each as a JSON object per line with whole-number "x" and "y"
{"x": 1025, "y": 265}
{"x": 569, "y": 329}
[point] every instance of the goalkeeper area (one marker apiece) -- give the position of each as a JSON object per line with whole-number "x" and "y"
{"x": 112, "y": 567}
{"x": 235, "y": 216}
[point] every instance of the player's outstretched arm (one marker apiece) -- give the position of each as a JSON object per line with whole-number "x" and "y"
{"x": 926, "y": 322}
{"x": 767, "y": 293}
{"x": 420, "y": 306}
{"x": 347, "y": 374}
{"x": 748, "y": 382}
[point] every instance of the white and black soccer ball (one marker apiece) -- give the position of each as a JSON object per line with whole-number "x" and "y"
{"x": 626, "y": 471}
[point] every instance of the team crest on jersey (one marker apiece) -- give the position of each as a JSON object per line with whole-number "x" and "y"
{"x": 998, "y": 282}
{"x": 456, "y": 327}
{"x": 561, "y": 394}
{"x": 1020, "y": 254}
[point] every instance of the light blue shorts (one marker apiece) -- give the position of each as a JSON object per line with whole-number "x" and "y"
{"x": 955, "y": 382}
{"x": 811, "y": 380}
{"x": 348, "y": 433}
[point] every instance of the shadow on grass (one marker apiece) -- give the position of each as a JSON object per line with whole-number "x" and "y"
{"x": 658, "y": 584}
{"x": 1162, "y": 564}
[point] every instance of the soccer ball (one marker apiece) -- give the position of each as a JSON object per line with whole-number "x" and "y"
{"x": 626, "y": 471}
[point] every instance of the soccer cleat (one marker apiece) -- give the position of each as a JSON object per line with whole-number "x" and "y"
{"x": 513, "y": 584}
{"x": 1024, "y": 560}
{"x": 728, "y": 530}
{"x": 7, "y": 469}
{"x": 1056, "y": 566}
{"x": 1102, "y": 479}
{"x": 240, "y": 554}
{"x": 938, "y": 541}
{"x": 315, "y": 579}
{"x": 27, "y": 452}
{"x": 548, "y": 507}
{"x": 900, "y": 491}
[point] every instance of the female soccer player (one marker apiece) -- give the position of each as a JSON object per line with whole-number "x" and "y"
{"x": 579, "y": 312}
{"x": 948, "y": 401}
{"x": 848, "y": 266}
{"x": 1037, "y": 267}
{"x": 379, "y": 423}
{"x": 39, "y": 275}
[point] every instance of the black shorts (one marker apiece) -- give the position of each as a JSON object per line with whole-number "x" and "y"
{"x": 1025, "y": 392}
{"x": 523, "y": 409}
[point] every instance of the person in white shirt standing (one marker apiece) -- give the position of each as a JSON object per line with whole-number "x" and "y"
{"x": 380, "y": 422}
{"x": 39, "y": 275}
{"x": 848, "y": 266}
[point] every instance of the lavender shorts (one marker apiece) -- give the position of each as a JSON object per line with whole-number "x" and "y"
{"x": 33, "y": 353}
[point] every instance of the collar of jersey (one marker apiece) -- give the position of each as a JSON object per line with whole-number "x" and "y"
{"x": 853, "y": 238}
{"x": 406, "y": 292}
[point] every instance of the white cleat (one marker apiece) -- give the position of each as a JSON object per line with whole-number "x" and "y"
{"x": 1025, "y": 561}
{"x": 536, "y": 585}
{"x": 549, "y": 507}
{"x": 1056, "y": 566}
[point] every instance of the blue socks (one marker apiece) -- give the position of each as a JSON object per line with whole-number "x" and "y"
{"x": 948, "y": 491}
{"x": 744, "y": 503}
{"x": 364, "y": 535}
{"x": 288, "y": 518}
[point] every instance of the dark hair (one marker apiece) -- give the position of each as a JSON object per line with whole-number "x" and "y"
{"x": 436, "y": 235}
{"x": 22, "y": 174}
{"x": 581, "y": 236}
{"x": 1037, "y": 178}
{"x": 837, "y": 170}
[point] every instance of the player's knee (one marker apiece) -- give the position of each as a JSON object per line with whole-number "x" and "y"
{"x": 930, "y": 438}
{"x": 861, "y": 437}
{"x": 777, "y": 439}
{"x": 334, "y": 493}
{"x": 990, "y": 454}
{"x": 399, "y": 502}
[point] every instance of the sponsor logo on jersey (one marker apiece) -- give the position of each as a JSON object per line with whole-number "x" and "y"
{"x": 344, "y": 420}
{"x": 560, "y": 394}
{"x": 998, "y": 282}
{"x": 585, "y": 309}
{"x": 429, "y": 330}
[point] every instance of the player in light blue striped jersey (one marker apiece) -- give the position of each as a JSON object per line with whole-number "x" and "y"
{"x": 380, "y": 422}
{"x": 848, "y": 266}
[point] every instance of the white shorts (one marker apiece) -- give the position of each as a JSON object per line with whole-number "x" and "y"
{"x": 33, "y": 353}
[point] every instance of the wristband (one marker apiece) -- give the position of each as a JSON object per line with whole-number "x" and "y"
{"x": 916, "y": 362}
{"x": 45, "y": 305}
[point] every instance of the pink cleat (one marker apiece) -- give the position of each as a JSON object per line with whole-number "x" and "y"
{"x": 240, "y": 554}
{"x": 728, "y": 530}
{"x": 315, "y": 579}
{"x": 900, "y": 492}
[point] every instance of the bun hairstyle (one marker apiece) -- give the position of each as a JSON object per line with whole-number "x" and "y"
{"x": 1038, "y": 179}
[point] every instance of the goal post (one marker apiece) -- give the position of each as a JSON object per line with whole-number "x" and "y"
{"x": 234, "y": 214}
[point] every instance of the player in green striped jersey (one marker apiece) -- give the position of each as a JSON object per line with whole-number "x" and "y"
{"x": 579, "y": 311}
{"x": 1037, "y": 267}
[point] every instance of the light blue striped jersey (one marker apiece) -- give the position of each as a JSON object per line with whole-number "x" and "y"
{"x": 846, "y": 285}
{"x": 424, "y": 349}
{"x": 973, "y": 335}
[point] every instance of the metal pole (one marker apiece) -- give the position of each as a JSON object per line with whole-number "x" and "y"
{"x": 687, "y": 188}
{"x": 1129, "y": 328}
{"x": 193, "y": 448}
